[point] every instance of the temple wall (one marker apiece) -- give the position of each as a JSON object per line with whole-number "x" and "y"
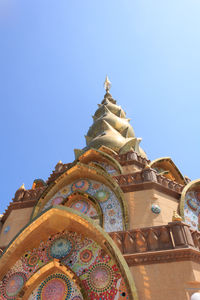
{"x": 167, "y": 281}
{"x": 139, "y": 207}
{"x": 16, "y": 220}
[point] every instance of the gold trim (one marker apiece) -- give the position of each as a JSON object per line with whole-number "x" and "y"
{"x": 189, "y": 186}
{"x": 173, "y": 168}
{"x": 51, "y": 267}
{"x": 82, "y": 171}
{"x": 91, "y": 199}
{"x": 57, "y": 219}
{"x": 102, "y": 156}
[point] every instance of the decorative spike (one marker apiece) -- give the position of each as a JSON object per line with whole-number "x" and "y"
{"x": 119, "y": 113}
{"x": 137, "y": 148}
{"x": 124, "y": 133}
{"x": 107, "y": 126}
{"x": 88, "y": 139}
{"x": 77, "y": 153}
{"x": 22, "y": 187}
{"x": 128, "y": 145}
{"x": 107, "y": 84}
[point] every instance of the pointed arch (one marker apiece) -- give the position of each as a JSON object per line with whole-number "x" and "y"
{"x": 190, "y": 204}
{"x": 167, "y": 167}
{"x": 94, "y": 155}
{"x": 78, "y": 234}
{"x": 95, "y": 181}
{"x": 52, "y": 267}
{"x": 78, "y": 196}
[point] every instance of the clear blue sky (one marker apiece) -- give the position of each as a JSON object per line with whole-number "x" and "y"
{"x": 54, "y": 56}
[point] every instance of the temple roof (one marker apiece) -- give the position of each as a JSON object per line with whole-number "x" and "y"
{"x": 111, "y": 128}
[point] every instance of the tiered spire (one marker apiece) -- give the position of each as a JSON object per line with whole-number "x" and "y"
{"x": 111, "y": 128}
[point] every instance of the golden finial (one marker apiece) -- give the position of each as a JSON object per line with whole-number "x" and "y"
{"x": 22, "y": 187}
{"x": 176, "y": 217}
{"x": 107, "y": 84}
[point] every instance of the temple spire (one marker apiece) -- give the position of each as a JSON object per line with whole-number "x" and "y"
{"x": 107, "y": 84}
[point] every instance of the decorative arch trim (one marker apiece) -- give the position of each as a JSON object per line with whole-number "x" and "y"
{"x": 82, "y": 171}
{"x": 167, "y": 164}
{"x": 51, "y": 267}
{"x": 189, "y": 186}
{"x": 88, "y": 197}
{"x": 55, "y": 220}
{"x": 93, "y": 154}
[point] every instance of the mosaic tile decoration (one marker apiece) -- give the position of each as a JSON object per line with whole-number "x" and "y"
{"x": 192, "y": 209}
{"x": 56, "y": 287}
{"x": 110, "y": 169}
{"x": 85, "y": 207}
{"x": 155, "y": 208}
{"x": 110, "y": 205}
{"x": 98, "y": 272}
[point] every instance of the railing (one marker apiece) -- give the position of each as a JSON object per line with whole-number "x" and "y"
{"x": 172, "y": 236}
{"x": 131, "y": 156}
{"x": 148, "y": 175}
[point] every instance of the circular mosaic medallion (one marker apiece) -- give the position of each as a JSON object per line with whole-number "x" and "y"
{"x": 33, "y": 260}
{"x": 86, "y": 255}
{"x": 57, "y": 200}
{"x": 81, "y": 185}
{"x": 55, "y": 287}
{"x": 81, "y": 206}
{"x": 102, "y": 195}
{"x": 60, "y": 248}
{"x": 13, "y": 285}
{"x": 100, "y": 278}
{"x": 155, "y": 209}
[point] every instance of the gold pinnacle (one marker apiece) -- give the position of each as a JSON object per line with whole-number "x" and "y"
{"x": 107, "y": 84}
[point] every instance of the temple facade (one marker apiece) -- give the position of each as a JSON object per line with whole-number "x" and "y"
{"x": 111, "y": 225}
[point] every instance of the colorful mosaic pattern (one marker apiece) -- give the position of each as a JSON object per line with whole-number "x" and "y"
{"x": 108, "y": 168}
{"x": 85, "y": 207}
{"x": 192, "y": 209}
{"x": 155, "y": 209}
{"x": 54, "y": 287}
{"x": 13, "y": 284}
{"x": 110, "y": 205}
{"x": 97, "y": 271}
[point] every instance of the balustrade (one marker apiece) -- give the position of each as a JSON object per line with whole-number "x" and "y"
{"x": 148, "y": 175}
{"x": 174, "y": 235}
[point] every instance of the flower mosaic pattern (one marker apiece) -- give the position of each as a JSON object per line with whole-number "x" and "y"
{"x": 192, "y": 209}
{"x": 85, "y": 207}
{"x": 56, "y": 287}
{"x": 97, "y": 271}
{"x": 110, "y": 205}
{"x": 13, "y": 285}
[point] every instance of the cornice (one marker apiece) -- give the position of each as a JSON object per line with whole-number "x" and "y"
{"x": 165, "y": 256}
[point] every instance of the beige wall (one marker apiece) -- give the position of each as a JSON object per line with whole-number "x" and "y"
{"x": 167, "y": 281}
{"x": 139, "y": 207}
{"x": 17, "y": 219}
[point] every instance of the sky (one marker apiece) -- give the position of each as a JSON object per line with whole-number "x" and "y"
{"x": 54, "y": 56}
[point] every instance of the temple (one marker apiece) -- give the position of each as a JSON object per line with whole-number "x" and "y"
{"x": 111, "y": 225}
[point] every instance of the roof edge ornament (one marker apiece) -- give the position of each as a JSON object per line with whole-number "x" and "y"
{"x": 107, "y": 84}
